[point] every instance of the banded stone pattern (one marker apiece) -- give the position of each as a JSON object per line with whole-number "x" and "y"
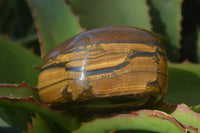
{"x": 115, "y": 64}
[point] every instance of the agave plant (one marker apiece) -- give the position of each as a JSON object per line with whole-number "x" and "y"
{"x": 57, "y": 21}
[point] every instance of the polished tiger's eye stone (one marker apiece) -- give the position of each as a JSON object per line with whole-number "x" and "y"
{"x": 116, "y": 65}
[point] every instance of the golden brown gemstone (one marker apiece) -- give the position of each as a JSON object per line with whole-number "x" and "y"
{"x": 110, "y": 64}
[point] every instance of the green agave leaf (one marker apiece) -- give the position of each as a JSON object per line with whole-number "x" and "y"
{"x": 154, "y": 121}
{"x": 54, "y": 21}
{"x": 99, "y": 13}
{"x": 183, "y": 84}
{"x": 17, "y": 63}
{"x": 12, "y": 22}
{"x": 181, "y": 113}
{"x": 3, "y": 124}
{"x": 15, "y": 119}
{"x": 39, "y": 125}
{"x": 167, "y": 18}
{"x": 18, "y": 91}
{"x": 196, "y": 108}
{"x": 187, "y": 117}
{"x": 30, "y": 105}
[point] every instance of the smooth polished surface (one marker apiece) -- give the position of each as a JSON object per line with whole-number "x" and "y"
{"x": 110, "y": 62}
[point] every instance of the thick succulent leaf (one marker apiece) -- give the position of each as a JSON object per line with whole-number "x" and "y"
{"x": 15, "y": 117}
{"x": 183, "y": 84}
{"x": 3, "y": 123}
{"x": 17, "y": 63}
{"x": 187, "y": 117}
{"x": 191, "y": 129}
{"x": 181, "y": 113}
{"x": 99, "y": 13}
{"x": 30, "y": 105}
{"x": 196, "y": 108}
{"x": 166, "y": 18}
{"x": 148, "y": 120}
{"x": 39, "y": 125}
{"x": 42, "y": 125}
{"x": 18, "y": 91}
{"x": 54, "y": 21}
{"x": 14, "y": 120}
